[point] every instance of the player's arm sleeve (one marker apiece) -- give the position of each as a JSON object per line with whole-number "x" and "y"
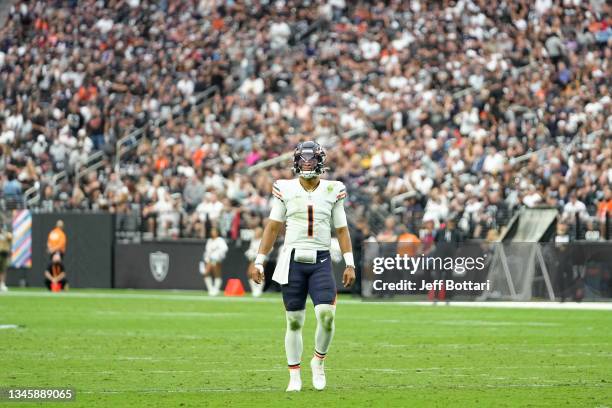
{"x": 338, "y": 214}
{"x": 279, "y": 209}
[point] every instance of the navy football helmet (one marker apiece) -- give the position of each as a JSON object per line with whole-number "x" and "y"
{"x": 308, "y": 159}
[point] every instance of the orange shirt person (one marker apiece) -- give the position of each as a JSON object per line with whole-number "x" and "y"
{"x": 408, "y": 244}
{"x": 56, "y": 241}
{"x": 604, "y": 208}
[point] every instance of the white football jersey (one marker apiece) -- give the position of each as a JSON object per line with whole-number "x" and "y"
{"x": 308, "y": 215}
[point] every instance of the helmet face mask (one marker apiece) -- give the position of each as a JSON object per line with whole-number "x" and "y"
{"x": 308, "y": 160}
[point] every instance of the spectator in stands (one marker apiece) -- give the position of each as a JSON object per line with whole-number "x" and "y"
{"x": 193, "y": 193}
{"x": 210, "y": 209}
{"x": 574, "y": 208}
{"x": 604, "y": 207}
{"x": 532, "y": 198}
{"x": 427, "y": 233}
{"x": 562, "y": 235}
{"x": 437, "y": 205}
{"x": 167, "y": 217}
{"x": 11, "y": 189}
{"x": 449, "y": 233}
{"x": 389, "y": 233}
{"x": 517, "y": 91}
{"x": 407, "y": 242}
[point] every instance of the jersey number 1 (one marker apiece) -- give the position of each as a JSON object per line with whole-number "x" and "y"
{"x": 310, "y": 220}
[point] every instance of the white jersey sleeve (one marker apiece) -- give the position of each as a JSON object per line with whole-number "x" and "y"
{"x": 338, "y": 214}
{"x": 279, "y": 209}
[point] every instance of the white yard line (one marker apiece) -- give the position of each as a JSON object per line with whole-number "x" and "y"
{"x": 187, "y": 296}
{"x": 141, "y": 296}
{"x": 494, "y": 323}
{"x": 282, "y": 369}
{"x": 487, "y": 345}
{"x": 168, "y": 314}
{"x": 534, "y": 305}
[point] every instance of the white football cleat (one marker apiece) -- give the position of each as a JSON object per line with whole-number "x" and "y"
{"x": 295, "y": 380}
{"x": 3, "y": 287}
{"x": 318, "y": 373}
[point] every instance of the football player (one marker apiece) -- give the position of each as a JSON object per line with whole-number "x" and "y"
{"x": 310, "y": 207}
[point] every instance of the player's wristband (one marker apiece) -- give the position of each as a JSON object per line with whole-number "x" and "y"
{"x": 260, "y": 259}
{"x": 348, "y": 260}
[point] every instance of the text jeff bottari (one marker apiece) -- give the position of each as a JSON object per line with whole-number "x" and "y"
{"x": 406, "y": 285}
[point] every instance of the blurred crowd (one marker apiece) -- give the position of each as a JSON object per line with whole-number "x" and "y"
{"x": 433, "y": 113}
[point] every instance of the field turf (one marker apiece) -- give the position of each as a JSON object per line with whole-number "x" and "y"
{"x": 183, "y": 349}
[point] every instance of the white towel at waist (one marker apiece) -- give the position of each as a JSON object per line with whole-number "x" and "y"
{"x": 281, "y": 272}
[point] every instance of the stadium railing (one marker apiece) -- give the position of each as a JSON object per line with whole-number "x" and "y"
{"x": 93, "y": 162}
{"x": 32, "y": 195}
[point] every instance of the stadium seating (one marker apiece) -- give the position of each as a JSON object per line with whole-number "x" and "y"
{"x": 176, "y": 115}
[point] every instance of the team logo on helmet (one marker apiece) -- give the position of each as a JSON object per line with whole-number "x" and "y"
{"x": 308, "y": 159}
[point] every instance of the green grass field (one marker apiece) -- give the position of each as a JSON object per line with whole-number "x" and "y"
{"x": 177, "y": 349}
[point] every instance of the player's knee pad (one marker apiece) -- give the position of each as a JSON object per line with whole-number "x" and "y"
{"x": 326, "y": 315}
{"x": 295, "y": 320}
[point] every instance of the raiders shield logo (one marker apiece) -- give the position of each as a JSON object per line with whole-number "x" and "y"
{"x": 159, "y": 262}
